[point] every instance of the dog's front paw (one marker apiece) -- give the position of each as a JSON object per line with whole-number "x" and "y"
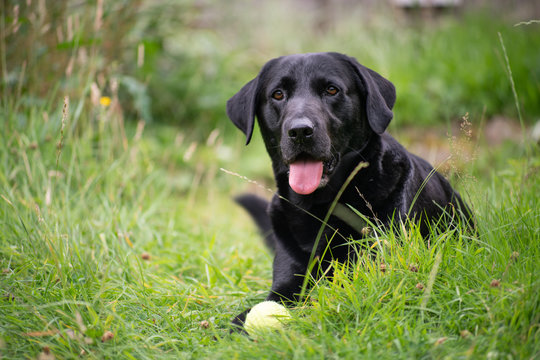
{"x": 238, "y": 322}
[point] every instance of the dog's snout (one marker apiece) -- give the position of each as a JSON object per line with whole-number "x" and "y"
{"x": 300, "y": 130}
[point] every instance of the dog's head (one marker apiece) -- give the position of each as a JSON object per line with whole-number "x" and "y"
{"x": 313, "y": 109}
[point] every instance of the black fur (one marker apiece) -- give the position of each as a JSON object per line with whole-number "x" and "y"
{"x": 341, "y": 130}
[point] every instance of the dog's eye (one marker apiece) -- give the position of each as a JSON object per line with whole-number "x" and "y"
{"x": 332, "y": 90}
{"x": 278, "y": 95}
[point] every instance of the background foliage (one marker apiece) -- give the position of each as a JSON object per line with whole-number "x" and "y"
{"x": 179, "y": 61}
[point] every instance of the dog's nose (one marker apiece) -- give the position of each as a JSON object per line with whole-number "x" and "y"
{"x": 300, "y": 130}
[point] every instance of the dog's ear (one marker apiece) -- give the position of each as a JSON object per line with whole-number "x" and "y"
{"x": 241, "y": 108}
{"x": 380, "y": 99}
{"x": 380, "y": 96}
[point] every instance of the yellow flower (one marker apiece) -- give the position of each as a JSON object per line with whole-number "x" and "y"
{"x": 105, "y": 101}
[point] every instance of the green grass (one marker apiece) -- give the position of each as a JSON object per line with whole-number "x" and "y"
{"x": 76, "y": 221}
{"x": 73, "y": 234}
{"x": 109, "y": 225}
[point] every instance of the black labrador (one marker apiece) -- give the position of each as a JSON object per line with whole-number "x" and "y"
{"x": 321, "y": 115}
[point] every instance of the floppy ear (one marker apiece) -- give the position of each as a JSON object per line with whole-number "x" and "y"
{"x": 380, "y": 96}
{"x": 241, "y": 108}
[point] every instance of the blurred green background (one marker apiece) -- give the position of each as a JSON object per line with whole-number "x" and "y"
{"x": 178, "y": 61}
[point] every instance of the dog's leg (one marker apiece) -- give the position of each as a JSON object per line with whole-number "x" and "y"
{"x": 286, "y": 284}
{"x": 288, "y": 276}
{"x": 238, "y": 322}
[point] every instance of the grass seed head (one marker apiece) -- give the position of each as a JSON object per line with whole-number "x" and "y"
{"x": 441, "y": 340}
{"x": 107, "y": 335}
{"x": 46, "y": 354}
{"x": 366, "y": 231}
{"x": 204, "y": 324}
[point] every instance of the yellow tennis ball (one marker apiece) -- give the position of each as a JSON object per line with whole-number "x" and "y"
{"x": 266, "y": 315}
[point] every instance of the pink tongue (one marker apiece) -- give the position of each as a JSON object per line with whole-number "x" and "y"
{"x": 305, "y": 176}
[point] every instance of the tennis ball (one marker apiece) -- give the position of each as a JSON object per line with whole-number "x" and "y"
{"x": 266, "y": 315}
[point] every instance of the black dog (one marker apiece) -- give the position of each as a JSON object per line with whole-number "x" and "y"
{"x": 321, "y": 115}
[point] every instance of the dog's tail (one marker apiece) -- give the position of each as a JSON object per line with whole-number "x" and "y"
{"x": 257, "y": 208}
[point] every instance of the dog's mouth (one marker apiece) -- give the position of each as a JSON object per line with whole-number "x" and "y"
{"x": 307, "y": 174}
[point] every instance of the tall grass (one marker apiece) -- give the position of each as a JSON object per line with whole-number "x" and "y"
{"x": 98, "y": 235}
